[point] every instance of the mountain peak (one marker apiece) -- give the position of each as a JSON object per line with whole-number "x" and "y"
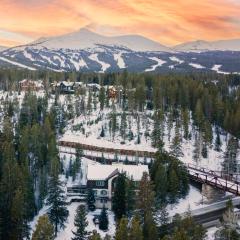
{"x": 85, "y": 38}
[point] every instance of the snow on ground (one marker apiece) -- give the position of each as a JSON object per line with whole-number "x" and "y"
{"x": 66, "y": 234}
{"x": 192, "y": 201}
{"x": 58, "y": 58}
{"x": 17, "y": 64}
{"x": 49, "y": 60}
{"x": 92, "y": 137}
{"x": 196, "y": 65}
{"x": 159, "y": 61}
{"x": 211, "y": 233}
{"x": 120, "y": 61}
{"x": 79, "y": 63}
{"x": 216, "y": 68}
{"x": 175, "y": 59}
{"x": 105, "y": 66}
{"x": 28, "y": 55}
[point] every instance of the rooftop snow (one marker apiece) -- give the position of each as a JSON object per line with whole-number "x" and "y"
{"x": 102, "y": 172}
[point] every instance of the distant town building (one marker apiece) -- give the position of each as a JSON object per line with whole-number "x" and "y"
{"x": 65, "y": 87}
{"x": 94, "y": 87}
{"x": 112, "y": 92}
{"x": 30, "y": 85}
{"x": 101, "y": 179}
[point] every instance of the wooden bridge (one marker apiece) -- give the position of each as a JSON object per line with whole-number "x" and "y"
{"x": 218, "y": 179}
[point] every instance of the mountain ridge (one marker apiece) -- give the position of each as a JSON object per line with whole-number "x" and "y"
{"x": 85, "y": 38}
{"x": 202, "y": 45}
{"x": 85, "y": 50}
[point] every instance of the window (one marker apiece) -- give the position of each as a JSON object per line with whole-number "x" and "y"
{"x": 103, "y": 200}
{"x": 100, "y": 183}
{"x": 104, "y": 192}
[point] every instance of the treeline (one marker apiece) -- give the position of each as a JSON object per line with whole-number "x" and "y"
{"x": 212, "y": 98}
{"x": 28, "y": 159}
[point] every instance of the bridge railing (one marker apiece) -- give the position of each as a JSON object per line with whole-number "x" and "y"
{"x": 214, "y": 180}
{"x": 234, "y": 177}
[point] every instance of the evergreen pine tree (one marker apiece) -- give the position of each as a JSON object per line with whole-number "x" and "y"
{"x": 20, "y": 227}
{"x": 44, "y": 229}
{"x": 173, "y": 185}
{"x": 119, "y": 198}
{"x": 102, "y": 134}
{"x": 102, "y": 97}
{"x": 89, "y": 102}
{"x": 130, "y": 197}
{"x": 103, "y": 219}
{"x": 123, "y": 125}
{"x": 218, "y": 141}
{"x": 176, "y": 149}
{"x": 230, "y": 156}
{"x": 135, "y": 231}
{"x": 146, "y": 207}
{"x": 122, "y": 230}
{"x": 90, "y": 199}
{"x": 57, "y": 211}
{"x": 80, "y": 223}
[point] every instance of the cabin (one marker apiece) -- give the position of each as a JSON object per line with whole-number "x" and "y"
{"x": 101, "y": 179}
{"x": 94, "y": 87}
{"x": 30, "y": 85}
{"x": 64, "y": 87}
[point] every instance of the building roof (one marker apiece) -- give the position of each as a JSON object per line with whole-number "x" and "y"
{"x": 66, "y": 83}
{"x": 102, "y": 172}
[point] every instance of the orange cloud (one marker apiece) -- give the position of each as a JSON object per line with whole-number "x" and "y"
{"x": 167, "y": 21}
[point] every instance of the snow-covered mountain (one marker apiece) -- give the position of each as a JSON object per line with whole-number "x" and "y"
{"x": 88, "y": 51}
{"x": 2, "y": 48}
{"x": 85, "y": 38}
{"x": 200, "y": 45}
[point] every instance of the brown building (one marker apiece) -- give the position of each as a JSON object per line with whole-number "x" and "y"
{"x": 30, "y": 85}
{"x": 112, "y": 92}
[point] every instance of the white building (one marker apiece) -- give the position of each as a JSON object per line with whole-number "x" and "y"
{"x": 101, "y": 178}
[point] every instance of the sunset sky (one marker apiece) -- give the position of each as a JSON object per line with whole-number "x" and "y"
{"x": 166, "y": 21}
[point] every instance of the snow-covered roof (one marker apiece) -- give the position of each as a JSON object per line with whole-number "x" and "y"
{"x": 96, "y": 85}
{"x": 102, "y": 172}
{"x": 67, "y": 84}
{"x": 79, "y": 83}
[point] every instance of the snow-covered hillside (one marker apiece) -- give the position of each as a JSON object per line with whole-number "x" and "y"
{"x": 200, "y": 45}
{"x": 103, "y": 58}
{"x": 95, "y": 130}
{"x": 85, "y": 38}
{"x": 87, "y": 51}
{"x": 2, "y": 48}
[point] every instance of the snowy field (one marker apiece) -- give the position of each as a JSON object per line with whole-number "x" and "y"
{"x": 87, "y": 129}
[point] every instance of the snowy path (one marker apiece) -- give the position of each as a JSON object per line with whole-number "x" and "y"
{"x": 159, "y": 61}
{"x": 120, "y": 61}
{"x": 17, "y": 64}
{"x": 105, "y": 66}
